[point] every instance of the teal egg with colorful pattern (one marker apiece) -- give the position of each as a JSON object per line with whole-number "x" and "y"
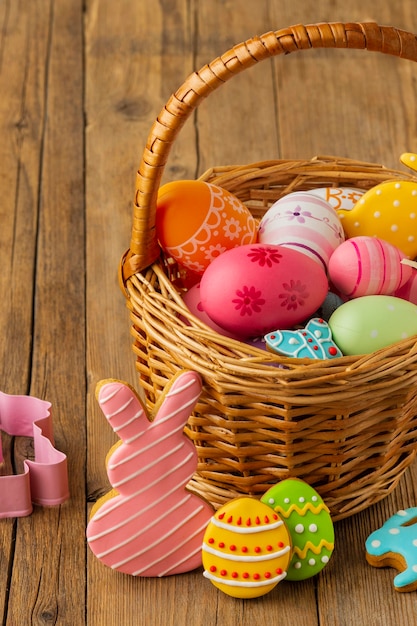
{"x": 309, "y": 523}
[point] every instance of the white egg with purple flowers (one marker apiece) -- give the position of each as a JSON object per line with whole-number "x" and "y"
{"x": 303, "y": 222}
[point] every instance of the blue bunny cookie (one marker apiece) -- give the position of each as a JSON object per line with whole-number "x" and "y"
{"x": 395, "y": 545}
{"x": 312, "y": 342}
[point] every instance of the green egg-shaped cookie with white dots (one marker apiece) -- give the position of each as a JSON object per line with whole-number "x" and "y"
{"x": 309, "y": 523}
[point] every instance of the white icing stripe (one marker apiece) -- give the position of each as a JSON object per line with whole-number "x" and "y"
{"x": 106, "y": 510}
{"x": 109, "y": 396}
{"x": 229, "y": 556}
{"x": 128, "y": 422}
{"x": 231, "y": 582}
{"x": 120, "y": 409}
{"x": 245, "y": 530}
{"x": 183, "y": 558}
{"x": 140, "y": 451}
{"x": 162, "y": 537}
{"x": 144, "y": 529}
{"x": 173, "y": 413}
{"x": 156, "y": 461}
{"x": 180, "y": 388}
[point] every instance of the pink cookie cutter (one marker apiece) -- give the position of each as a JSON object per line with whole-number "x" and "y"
{"x": 45, "y": 480}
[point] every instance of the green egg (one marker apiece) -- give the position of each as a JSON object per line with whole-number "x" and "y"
{"x": 369, "y": 323}
{"x": 309, "y": 523}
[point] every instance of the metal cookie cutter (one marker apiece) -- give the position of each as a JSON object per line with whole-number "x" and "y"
{"x": 45, "y": 480}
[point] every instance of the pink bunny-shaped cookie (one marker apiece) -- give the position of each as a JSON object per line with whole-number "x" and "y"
{"x": 149, "y": 524}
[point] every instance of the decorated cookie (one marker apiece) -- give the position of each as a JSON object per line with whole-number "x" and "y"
{"x": 395, "y": 545}
{"x": 149, "y": 524}
{"x": 312, "y": 342}
{"x": 246, "y": 549}
{"x": 388, "y": 211}
{"x": 309, "y": 523}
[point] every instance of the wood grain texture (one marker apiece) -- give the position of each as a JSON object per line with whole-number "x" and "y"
{"x": 81, "y": 85}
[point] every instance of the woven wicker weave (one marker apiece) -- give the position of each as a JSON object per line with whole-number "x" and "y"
{"x": 348, "y": 426}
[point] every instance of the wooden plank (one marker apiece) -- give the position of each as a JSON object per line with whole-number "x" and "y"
{"x": 22, "y": 79}
{"x": 49, "y": 549}
{"x": 144, "y": 47}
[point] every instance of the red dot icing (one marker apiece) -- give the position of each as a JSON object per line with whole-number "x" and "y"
{"x": 213, "y": 568}
{"x": 221, "y": 544}
{"x": 267, "y": 574}
{"x": 244, "y": 549}
{"x": 257, "y": 549}
{"x": 235, "y": 574}
{"x": 232, "y": 548}
{"x": 223, "y": 572}
{"x": 245, "y": 575}
{"x": 256, "y": 576}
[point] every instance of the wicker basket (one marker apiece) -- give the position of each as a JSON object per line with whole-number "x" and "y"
{"x": 348, "y": 426}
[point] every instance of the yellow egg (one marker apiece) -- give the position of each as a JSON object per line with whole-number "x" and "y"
{"x": 246, "y": 549}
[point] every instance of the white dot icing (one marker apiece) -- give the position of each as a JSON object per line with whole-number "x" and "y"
{"x": 394, "y": 227}
{"x": 377, "y": 214}
{"x": 301, "y": 499}
{"x": 312, "y": 562}
{"x": 376, "y": 543}
{"x": 312, "y": 528}
{"x": 299, "y": 528}
{"x": 394, "y": 531}
{"x": 374, "y": 333}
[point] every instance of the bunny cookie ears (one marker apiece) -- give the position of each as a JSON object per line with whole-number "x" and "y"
{"x": 149, "y": 524}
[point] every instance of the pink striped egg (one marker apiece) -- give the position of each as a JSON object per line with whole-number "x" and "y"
{"x": 305, "y": 223}
{"x": 364, "y": 266}
{"x": 408, "y": 291}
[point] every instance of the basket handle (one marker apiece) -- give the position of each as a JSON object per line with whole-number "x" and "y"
{"x": 144, "y": 249}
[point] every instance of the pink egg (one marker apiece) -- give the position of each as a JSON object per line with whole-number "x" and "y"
{"x": 257, "y": 288}
{"x": 303, "y": 222}
{"x": 192, "y": 299}
{"x": 363, "y": 266}
{"x": 409, "y": 290}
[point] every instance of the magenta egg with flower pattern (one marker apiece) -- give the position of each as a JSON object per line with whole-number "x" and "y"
{"x": 256, "y": 288}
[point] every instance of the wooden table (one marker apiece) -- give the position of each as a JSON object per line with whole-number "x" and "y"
{"x": 81, "y": 83}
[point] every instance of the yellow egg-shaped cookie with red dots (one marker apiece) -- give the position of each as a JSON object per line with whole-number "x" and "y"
{"x": 246, "y": 548}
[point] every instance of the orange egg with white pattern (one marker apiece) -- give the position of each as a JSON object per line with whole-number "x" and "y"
{"x": 246, "y": 548}
{"x": 197, "y": 221}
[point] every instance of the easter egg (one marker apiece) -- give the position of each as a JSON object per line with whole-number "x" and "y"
{"x": 196, "y": 221}
{"x": 367, "y": 265}
{"x": 309, "y": 523}
{"x": 409, "y": 290}
{"x": 246, "y": 548}
{"x": 343, "y": 198}
{"x": 257, "y": 288}
{"x": 303, "y": 222}
{"x": 388, "y": 211}
{"x": 192, "y": 298}
{"x": 369, "y": 323}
